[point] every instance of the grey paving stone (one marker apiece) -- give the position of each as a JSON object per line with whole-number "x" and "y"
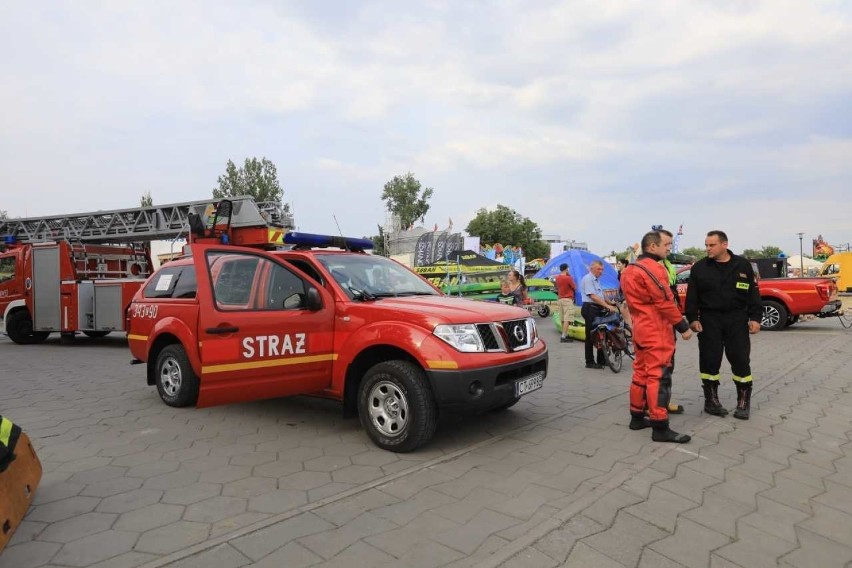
{"x": 405, "y": 487}
{"x": 661, "y": 509}
{"x": 77, "y": 527}
{"x": 278, "y": 468}
{"x": 428, "y": 555}
{"x": 126, "y": 560}
{"x": 172, "y": 537}
{"x": 215, "y": 509}
{"x": 641, "y": 483}
{"x": 50, "y": 491}
{"x": 584, "y": 556}
{"x": 221, "y": 556}
{"x": 327, "y": 490}
{"x": 816, "y": 550}
{"x": 791, "y": 493}
{"x": 357, "y": 474}
{"x": 774, "y": 518}
{"x": 331, "y": 542}
{"x": 531, "y": 499}
{"x": 625, "y": 539}
{"x": 263, "y": 542}
{"x": 470, "y": 536}
{"x": 530, "y": 558}
{"x": 191, "y": 493}
{"x": 62, "y": 509}
{"x": 96, "y": 548}
{"x": 830, "y": 523}
{"x": 754, "y": 549}
{"x": 147, "y": 518}
{"x": 690, "y": 544}
{"x": 174, "y": 480}
{"x": 360, "y": 553}
{"x": 421, "y": 530}
{"x": 653, "y": 559}
{"x": 719, "y": 513}
{"x": 291, "y": 555}
{"x": 406, "y": 511}
{"x": 688, "y": 483}
{"x": 28, "y": 554}
{"x": 837, "y": 495}
{"x": 558, "y": 543}
{"x": 342, "y": 512}
{"x": 277, "y": 501}
{"x": 741, "y": 487}
{"x": 124, "y": 502}
{"x": 461, "y": 511}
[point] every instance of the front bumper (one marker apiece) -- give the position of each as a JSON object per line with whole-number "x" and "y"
{"x": 482, "y": 389}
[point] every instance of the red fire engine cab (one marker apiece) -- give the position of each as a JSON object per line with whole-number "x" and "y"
{"x": 229, "y": 324}
{"x": 71, "y": 273}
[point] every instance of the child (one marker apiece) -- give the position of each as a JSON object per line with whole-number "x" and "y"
{"x": 506, "y": 296}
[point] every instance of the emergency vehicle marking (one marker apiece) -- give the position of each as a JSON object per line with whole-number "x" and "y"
{"x": 145, "y": 310}
{"x": 742, "y": 285}
{"x": 442, "y": 364}
{"x": 273, "y": 345}
{"x": 137, "y": 337}
{"x": 268, "y": 363}
{"x": 4, "y": 293}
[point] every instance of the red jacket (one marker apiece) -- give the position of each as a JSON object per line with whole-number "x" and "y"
{"x": 651, "y": 303}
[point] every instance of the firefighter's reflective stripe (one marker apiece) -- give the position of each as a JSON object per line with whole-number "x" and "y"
{"x": 276, "y": 236}
{"x": 265, "y": 363}
{"x": 9, "y": 434}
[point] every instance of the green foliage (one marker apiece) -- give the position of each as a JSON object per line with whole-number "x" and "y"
{"x": 258, "y": 179}
{"x": 768, "y": 251}
{"x": 404, "y": 198}
{"x": 696, "y": 252}
{"x": 379, "y": 242}
{"x": 146, "y": 200}
{"x": 507, "y": 227}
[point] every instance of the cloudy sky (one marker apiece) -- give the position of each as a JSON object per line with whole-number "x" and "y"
{"x": 596, "y": 119}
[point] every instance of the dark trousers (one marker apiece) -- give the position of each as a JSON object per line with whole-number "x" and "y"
{"x": 724, "y": 332}
{"x": 590, "y": 311}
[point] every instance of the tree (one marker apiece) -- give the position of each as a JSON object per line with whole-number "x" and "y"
{"x": 404, "y": 198}
{"x": 751, "y": 253}
{"x": 257, "y": 179}
{"x": 146, "y": 200}
{"x": 768, "y": 251}
{"x": 379, "y": 242}
{"x": 508, "y": 227}
{"x": 696, "y": 252}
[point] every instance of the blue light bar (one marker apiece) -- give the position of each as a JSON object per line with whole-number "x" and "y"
{"x": 311, "y": 240}
{"x": 9, "y": 239}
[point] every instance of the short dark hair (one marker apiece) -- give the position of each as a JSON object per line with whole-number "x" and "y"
{"x": 624, "y": 261}
{"x": 651, "y": 238}
{"x": 563, "y": 266}
{"x": 665, "y": 232}
{"x": 721, "y": 234}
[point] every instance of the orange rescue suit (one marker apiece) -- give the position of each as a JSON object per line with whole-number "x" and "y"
{"x": 645, "y": 285}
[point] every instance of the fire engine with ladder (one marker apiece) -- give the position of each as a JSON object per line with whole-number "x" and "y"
{"x": 70, "y": 273}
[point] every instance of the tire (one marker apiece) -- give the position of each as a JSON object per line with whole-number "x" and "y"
{"x": 396, "y": 406}
{"x": 508, "y": 404}
{"x": 774, "y": 315}
{"x": 543, "y": 311}
{"x": 19, "y": 328}
{"x": 791, "y": 320}
{"x": 612, "y": 357}
{"x": 176, "y": 381}
{"x": 96, "y": 334}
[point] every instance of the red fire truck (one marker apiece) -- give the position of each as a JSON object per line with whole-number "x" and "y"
{"x": 71, "y": 273}
{"x": 230, "y": 324}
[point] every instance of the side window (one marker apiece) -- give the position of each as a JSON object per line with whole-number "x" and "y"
{"x": 172, "y": 282}
{"x": 307, "y": 268}
{"x": 234, "y": 280}
{"x": 283, "y": 291}
{"x": 683, "y": 277}
{"x": 828, "y": 270}
{"x": 7, "y": 268}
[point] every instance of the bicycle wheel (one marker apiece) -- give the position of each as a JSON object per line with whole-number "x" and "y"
{"x": 612, "y": 356}
{"x": 628, "y": 340}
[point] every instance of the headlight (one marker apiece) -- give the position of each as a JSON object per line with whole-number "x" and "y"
{"x": 463, "y": 337}
{"x": 533, "y": 331}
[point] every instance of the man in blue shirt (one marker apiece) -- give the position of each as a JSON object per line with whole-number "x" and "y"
{"x": 594, "y": 305}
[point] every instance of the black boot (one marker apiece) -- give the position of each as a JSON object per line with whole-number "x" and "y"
{"x": 711, "y": 398}
{"x": 743, "y": 401}
{"x": 639, "y": 421}
{"x": 662, "y": 433}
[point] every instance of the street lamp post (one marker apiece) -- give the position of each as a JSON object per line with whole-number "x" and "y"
{"x": 801, "y": 258}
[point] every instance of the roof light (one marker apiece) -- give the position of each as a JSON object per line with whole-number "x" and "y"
{"x": 9, "y": 240}
{"x": 311, "y": 240}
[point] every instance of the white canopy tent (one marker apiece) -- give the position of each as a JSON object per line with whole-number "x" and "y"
{"x": 797, "y": 261}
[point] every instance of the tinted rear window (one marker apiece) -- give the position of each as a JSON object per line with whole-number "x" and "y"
{"x": 172, "y": 282}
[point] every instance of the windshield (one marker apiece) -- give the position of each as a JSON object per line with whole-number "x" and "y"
{"x": 365, "y": 275}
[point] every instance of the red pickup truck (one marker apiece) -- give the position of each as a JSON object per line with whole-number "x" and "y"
{"x": 230, "y": 324}
{"x": 784, "y": 299}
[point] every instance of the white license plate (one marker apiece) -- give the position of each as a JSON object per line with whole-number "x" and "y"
{"x": 529, "y": 384}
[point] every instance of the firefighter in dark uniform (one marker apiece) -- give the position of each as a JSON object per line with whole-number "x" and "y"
{"x": 723, "y": 306}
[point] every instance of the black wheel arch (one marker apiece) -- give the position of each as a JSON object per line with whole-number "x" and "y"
{"x": 162, "y": 341}
{"x": 359, "y": 366}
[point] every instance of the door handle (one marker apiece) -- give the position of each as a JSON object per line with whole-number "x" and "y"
{"x": 221, "y": 330}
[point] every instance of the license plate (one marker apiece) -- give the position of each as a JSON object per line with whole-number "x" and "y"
{"x": 529, "y": 384}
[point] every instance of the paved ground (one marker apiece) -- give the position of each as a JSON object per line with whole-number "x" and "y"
{"x": 557, "y": 480}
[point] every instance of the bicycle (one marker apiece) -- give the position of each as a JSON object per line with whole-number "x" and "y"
{"x": 614, "y": 338}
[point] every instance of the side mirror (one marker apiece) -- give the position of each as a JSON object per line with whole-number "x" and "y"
{"x": 313, "y": 300}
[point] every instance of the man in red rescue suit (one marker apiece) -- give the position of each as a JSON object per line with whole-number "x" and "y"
{"x": 645, "y": 286}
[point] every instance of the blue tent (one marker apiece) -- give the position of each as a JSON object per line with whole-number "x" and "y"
{"x": 578, "y": 262}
